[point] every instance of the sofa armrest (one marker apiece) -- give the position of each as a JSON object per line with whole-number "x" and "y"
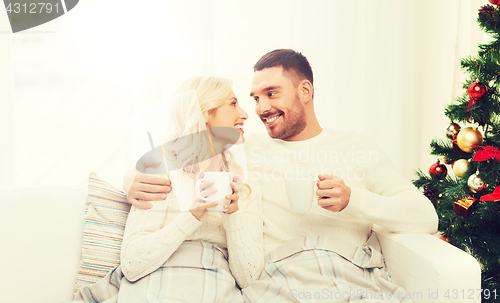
{"x": 430, "y": 269}
{"x": 41, "y": 233}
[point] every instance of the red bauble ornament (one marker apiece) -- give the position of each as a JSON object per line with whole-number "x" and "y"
{"x": 438, "y": 170}
{"x": 476, "y": 91}
{"x": 494, "y": 1}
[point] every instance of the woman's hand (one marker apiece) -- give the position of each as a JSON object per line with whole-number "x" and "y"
{"x": 200, "y": 206}
{"x": 234, "y": 197}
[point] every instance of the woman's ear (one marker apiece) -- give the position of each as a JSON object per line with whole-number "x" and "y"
{"x": 207, "y": 117}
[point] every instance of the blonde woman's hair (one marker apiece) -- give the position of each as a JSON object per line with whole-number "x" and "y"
{"x": 191, "y": 147}
{"x": 212, "y": 92}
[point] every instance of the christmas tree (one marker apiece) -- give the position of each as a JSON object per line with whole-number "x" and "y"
{"x": 465, "y": 201}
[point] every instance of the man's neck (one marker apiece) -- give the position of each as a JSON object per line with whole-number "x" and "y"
{"x": 309, "y": 132}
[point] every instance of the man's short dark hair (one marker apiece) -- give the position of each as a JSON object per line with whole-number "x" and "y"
{"x": 293, "y": 63}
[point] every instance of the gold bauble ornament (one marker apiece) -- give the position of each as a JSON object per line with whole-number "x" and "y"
{"x": 467, "y": 137}
{"x": 460, "y": 167}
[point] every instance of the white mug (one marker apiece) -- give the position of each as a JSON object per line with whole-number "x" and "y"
{"x": 301, "y": 191}
{"x": 222, "y": 181}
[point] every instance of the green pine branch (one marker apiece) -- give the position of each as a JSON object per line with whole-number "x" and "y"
{"x": 491, "y": 49}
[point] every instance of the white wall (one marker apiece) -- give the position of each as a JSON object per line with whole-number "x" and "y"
{"x": 386, "y": 68}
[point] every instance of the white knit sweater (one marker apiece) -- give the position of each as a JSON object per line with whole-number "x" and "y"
{"x": 152, "y": 236}
{"x": 379, "y": 194}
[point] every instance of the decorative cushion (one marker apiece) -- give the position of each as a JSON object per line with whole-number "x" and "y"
{"x": 105, "y": 217}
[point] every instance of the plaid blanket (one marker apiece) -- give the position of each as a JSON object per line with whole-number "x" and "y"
{"x": 196, "y": 272}
{"x": 104, "y": 291}
{"x": 325, "y": 269}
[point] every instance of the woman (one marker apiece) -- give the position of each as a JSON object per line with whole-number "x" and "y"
{"x": 173, "y": 256}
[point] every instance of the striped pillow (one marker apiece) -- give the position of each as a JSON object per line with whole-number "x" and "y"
{"x": 105, "y": 217}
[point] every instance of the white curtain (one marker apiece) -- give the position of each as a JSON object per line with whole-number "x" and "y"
{"x": 385, "y": 68}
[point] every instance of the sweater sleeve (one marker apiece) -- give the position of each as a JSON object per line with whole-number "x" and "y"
{"x": 148, "y": 242}
{"x": 244, "y": 232}
{"x": 391, "y": 200}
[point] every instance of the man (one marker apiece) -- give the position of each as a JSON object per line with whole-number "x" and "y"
{"x": 326, "y": 253}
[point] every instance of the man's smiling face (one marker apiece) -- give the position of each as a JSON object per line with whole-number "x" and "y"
{"x": 277, "y": 103}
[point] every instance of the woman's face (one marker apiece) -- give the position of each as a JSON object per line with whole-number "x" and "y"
{"x": 229, "y": 114}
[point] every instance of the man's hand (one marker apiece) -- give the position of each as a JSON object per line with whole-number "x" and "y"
{"x": 142, "y": 165}
{"x": 139, "y": 186}
{"x": 333, "y": 194}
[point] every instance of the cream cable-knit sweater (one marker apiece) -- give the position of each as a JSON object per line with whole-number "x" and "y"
{"x": 152, "y": 236}
{"x": 379, "y": 194}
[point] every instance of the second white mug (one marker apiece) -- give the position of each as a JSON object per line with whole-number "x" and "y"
{"x": 301, "y": 191}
